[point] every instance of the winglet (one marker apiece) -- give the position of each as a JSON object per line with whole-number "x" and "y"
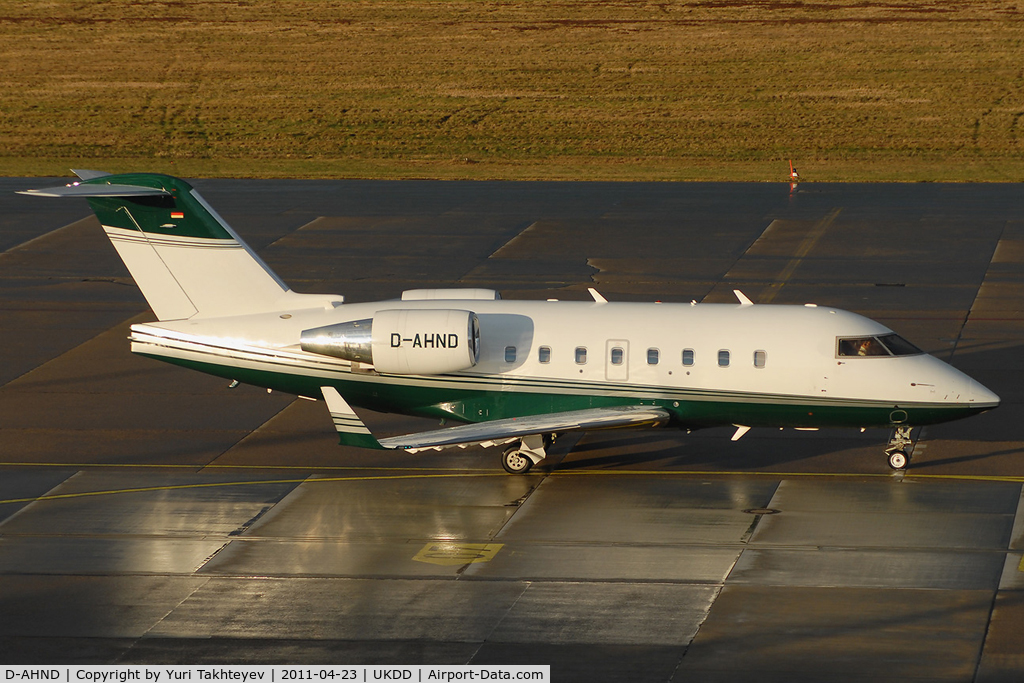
{"x": 351, "y": 430}
{"x": 86, "y": 174}
{"x": 744, "y": 301}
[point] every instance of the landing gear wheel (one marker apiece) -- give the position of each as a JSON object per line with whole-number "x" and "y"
{"x": 900, "y": 446}
{"x": 515, "y": 462}
{"x": 898, "y": 460}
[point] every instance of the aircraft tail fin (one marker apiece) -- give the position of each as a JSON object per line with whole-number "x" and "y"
{"x": 185, "y": 258}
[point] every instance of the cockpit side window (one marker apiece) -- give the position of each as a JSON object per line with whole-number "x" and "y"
{"x": 862, "y": 346}
{"x": 884, "y": 345}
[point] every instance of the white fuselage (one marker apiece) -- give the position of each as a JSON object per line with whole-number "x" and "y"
{"x": 776, "y": 355}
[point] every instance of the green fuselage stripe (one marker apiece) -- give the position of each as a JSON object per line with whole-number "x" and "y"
{"x": 472, "y": 400}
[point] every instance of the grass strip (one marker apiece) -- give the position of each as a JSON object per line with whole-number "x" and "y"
{"x": 880, "y": 91}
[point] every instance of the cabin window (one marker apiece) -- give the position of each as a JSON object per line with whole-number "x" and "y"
{"x": 652, "y": 356}
{"x": 883, "y": 345}
{"x": 510, "y": 354}
{"x": 687, "y": 357}
{"x": 760, "y": 358}
{"x": 723, "y": 358}
{"x": 581, "y": 355}
{"x": 544, "y": 354}
{"x": 617, "y": 356}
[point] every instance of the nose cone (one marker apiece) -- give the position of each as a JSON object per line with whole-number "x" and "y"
{"x": 979, "y": 395}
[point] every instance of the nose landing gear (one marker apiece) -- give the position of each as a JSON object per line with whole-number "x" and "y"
{"x": 900, "y": 447}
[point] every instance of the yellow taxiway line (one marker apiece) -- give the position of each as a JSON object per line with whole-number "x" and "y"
{"x": 446, "y": 473}
{"x": 254, "y": 482}
{"x": 482, "y": 471}
{"x": 200, "y": 466}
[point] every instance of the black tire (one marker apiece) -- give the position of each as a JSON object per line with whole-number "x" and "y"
{"x": 898, "y": 460}
{"x": 515, "y": 462}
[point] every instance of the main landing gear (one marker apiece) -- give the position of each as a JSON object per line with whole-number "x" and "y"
{"x": 514, "y": 461}
{"x": 519, "y": 458}
{"x": 899, "y": 448}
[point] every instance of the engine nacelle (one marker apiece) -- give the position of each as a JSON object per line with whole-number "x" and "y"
{"x": 403, "y": 341}
{"x": 425, "y": 342}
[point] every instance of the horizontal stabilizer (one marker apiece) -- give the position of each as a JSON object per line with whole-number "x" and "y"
{"x": 97, "y": 190}
{"x": 516, "y": 427}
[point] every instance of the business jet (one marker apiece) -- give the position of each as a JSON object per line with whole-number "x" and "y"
{"x": 517, "y": 373}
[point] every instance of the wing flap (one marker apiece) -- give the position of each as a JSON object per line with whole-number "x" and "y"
{"x": 516, "y": 427}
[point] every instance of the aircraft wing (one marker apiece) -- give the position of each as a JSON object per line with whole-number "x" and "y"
{"x": 498, "y": 431}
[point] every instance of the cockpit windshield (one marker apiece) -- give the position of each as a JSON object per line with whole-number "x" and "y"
{"x": 882, "y": 345}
